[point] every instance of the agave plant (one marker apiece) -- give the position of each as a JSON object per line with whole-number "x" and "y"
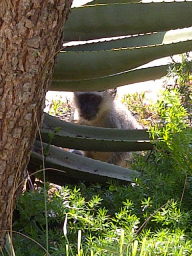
{"x": 134, "y": 34}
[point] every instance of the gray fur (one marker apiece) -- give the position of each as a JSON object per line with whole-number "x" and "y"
{"x": 111, "y": 114}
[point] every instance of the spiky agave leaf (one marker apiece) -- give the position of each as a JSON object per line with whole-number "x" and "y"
{"x": 109, "y": 20}
{"x": 68, "y": 135}
{"x": 63, "y": 165}
{"x": 95, "y": 64}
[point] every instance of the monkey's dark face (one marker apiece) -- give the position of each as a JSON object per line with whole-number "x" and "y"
{"x": 88, "y": 105}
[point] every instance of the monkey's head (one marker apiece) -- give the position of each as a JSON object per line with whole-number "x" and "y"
{"x": 90, "y": 104}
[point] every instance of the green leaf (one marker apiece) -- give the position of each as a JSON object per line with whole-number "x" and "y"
{"x": 165, "y": 37}
{"x": 80, "y": 167}
{"x": 112, "y": 1}
{"x": 93, "y": 138}
{"x": 109, "y": 82}
{"x": 94, "y": 64}
{"x": 109, "y": 20}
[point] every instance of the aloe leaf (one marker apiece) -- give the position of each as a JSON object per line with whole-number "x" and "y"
{"x": 111, "y": 1}
{"x": 54, "y": 123}
{"x": 79, "y": 167}
{"x": 94, "y": 64}
{"x": 68, "y": 135}
{"x": 103, "y": 145}
{"x": 109, "y": 20}
{"x": 109, "y": 82}
{"x": 165, "y": 37}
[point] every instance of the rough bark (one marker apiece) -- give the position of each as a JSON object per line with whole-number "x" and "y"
{"x": 30, "y": 37}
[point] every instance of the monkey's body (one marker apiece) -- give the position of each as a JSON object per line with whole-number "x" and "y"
{"x": 99, "y": 109}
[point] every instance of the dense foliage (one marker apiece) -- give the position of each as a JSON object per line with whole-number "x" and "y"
{"x": 151, "y": 216}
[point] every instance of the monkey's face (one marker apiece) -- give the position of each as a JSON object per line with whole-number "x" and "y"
{"x": 88, "y": 104}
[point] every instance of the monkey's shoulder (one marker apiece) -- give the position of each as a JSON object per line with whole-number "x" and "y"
{"x": 121, "y": 117}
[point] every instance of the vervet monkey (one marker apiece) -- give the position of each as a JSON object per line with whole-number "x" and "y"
{"x": 101, "y": 110}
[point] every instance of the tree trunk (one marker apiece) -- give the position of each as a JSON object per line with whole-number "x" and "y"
{"x": 30, "y": 37}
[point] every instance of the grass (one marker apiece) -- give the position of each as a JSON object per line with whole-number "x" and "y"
{"x": 81, "y": 223}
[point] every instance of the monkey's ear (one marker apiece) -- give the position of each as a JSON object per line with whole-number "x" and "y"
{"x": 112, "y": 92}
